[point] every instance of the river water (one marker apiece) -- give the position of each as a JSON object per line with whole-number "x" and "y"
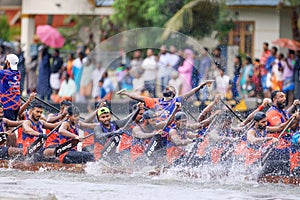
{"x": 202, "y": 183}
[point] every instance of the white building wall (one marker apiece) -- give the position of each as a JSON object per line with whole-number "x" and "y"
{"x": 266, "y": 28}
{"x": 63, "y": 7}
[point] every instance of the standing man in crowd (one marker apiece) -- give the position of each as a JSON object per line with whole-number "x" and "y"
{"x": 10, "y": 87}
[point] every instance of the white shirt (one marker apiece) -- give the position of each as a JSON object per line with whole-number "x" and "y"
{"x": 173, "y": 59}
{"x": 150, "y": 68}
{"x": 163, "y": 65}
{"x": 96, "y": 76}
{"x": 67, "y": 89}
{"x": 222, "y": 84}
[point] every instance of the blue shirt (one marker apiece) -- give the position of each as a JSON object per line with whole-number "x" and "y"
{"x": 10, "y": 89}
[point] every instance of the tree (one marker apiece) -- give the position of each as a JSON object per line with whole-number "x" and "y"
{"x": 199, "y": 18}
{"x": 140, "y": 13}
{"x": 196, "y": 18}
{"x": 4, "y": 30}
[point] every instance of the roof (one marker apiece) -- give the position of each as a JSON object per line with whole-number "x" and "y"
{"x": 104, "y": 2}
{"x": 254, "y": 2}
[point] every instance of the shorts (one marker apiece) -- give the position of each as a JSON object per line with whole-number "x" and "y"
{"x": 3, "y": 152}
{"x": 11, "y": 114}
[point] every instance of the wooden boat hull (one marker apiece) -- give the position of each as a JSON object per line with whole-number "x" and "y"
{"x": 293, "y": 180}
{"x": 45, "y": 166}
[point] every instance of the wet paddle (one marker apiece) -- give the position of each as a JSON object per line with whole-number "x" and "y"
{"x": 40, "y": 141}
{"x": 271, "y": 148}
{"x": 67, "y": 146}
{"x": 155, "y": 142}
{"x": 3, "y": 135}
{"x": 116, "y": 138}
{"x": 194, "y": 149}
{"x": 46, "y": 103}
{"x": 230, "y": 109}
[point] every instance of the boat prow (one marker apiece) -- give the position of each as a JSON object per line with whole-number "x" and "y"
{"x": 45, "y": 166}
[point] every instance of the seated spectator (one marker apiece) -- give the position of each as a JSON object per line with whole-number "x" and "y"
{"x": 67, "y": 90}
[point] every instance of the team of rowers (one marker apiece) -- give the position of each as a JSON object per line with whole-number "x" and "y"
{"x": 159, "y": 131}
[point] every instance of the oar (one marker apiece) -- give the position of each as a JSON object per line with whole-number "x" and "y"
{"x": 67, "y": 146}
{"x": 194, "y": 150}
{"x": 230, "y": 109}
{"x": 40, "y": 141}
{"x": 227, "y": 152}
{"x": 3, "y": 135}
{"x": 156, "y": 139}
{"x": 190, "y": 114}
{"x": 269, "y": 150}
{"x": 46, "y": 103}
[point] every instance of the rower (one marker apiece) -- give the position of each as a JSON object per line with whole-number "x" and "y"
{"x": 164, "y": 106}
{"x": 126, "y": 138}
{"x": 70, "y": 130}
{"x": 53, "y": 140}
{"x": 105, "y": 125}
{"x": 33, "y": 128}
{"x": 257, "y": 137}
{"x": 179, "y": 136}
{"x": 278, "y": 159}
{"x": 142, "y": 134}
{"x": 8, "y": 151}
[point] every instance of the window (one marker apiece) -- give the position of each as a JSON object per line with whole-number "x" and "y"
{"x": 243, "y": 36}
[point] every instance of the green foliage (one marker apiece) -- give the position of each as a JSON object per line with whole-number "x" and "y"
{"x": 197, "y": 18}
{"x": 4, "y": 28}
{"x": 140, "y": 13}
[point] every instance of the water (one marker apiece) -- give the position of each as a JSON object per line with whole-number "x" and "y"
{"x": 202, "y": 183}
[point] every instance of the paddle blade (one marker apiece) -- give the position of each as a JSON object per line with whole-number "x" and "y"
{"x": 154, "y": 144}
{"x": 3, "y": 138}
{"x": 35, "y": 146}
{"x": 65, "y": 147}
{"x": 110, "y": 146}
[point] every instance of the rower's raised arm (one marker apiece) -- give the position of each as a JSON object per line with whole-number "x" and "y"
{"x": 266, "y": 102}
{"x": 208, "y": 108}
{"x": 131, "y": 95}
{"x": 196, "y": 89}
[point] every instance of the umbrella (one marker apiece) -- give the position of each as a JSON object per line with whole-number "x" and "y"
{"x": 287, "y": 43}
{"x": 50, "y": 36}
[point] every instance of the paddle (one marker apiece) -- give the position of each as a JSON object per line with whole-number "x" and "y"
{"x": 67, "y": 146}
{"x": 194, "y": 150}
{"x": 230, "y": 109}
{"x": 270, "y": 149}
{"x": 46, "y": 103}
{"x": 155, "y": 141}
{"x": 40, "y": 141}
{"x": 3, "y": 135}
{"x": 114, "y": 141}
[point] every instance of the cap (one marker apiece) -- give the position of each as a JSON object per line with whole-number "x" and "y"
{"x": 149, "y": 114}
{"x": 180, "y": 116}
{"x": 102, "y": 110}
{"x": 13, "y": 61}
{"x": 259, "y": 116}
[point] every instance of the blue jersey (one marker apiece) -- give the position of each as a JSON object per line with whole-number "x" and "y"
{"x": 10, "y": 89}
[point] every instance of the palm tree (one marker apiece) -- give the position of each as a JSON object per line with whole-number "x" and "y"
{"x": 199, "y": 18}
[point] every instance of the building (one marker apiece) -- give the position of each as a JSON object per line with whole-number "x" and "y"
{"x": 258, "y": 21}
